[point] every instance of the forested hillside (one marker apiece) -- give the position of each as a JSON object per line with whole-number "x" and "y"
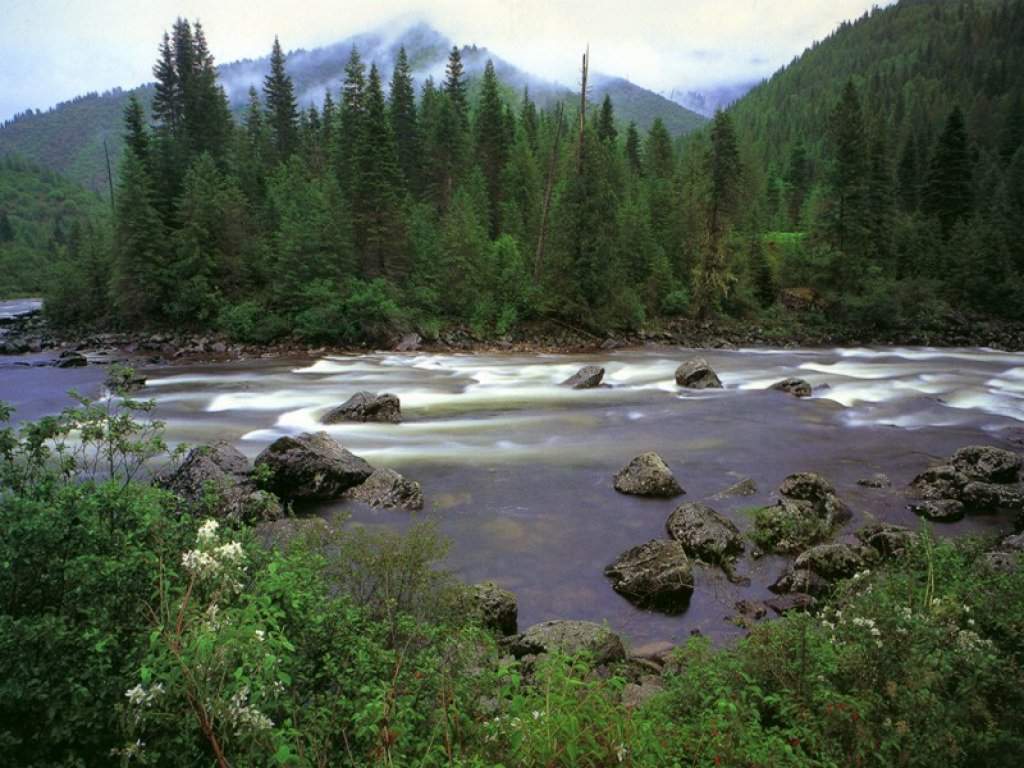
{"x": 69, "y": 137}
{"x": 40, "y": 213}
{"x": 423, "y": 205}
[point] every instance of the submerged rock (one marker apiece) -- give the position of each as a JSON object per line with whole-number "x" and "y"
{"x": 311, "y": 466}
{"x": 387, "y": 488}
{"x": 498, "y": 608}
{"x": 875, "y": 481}
{"x": 569, "y": 637}
{"x": 793, "y": 386}
{"x": 987, "y": 464}
{"x": 939, "y": 510}
{"x": 656, "y": 575}
{"x": 587, "y": 377}
{"x": 704, "y": 533}
{"x": 647, "y": 475}
{"x": 366, "y": 406}
{"x": 744, "y": 487}
{"x": 695, "y": 373}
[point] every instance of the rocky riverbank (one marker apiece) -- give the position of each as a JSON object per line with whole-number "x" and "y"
{"x": 31, "y": 333}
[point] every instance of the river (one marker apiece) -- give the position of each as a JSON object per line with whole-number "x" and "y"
{"x": 517, "y": 471}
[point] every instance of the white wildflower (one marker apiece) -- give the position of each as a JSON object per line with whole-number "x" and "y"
{"x": 621, "y": 751}
{"x": 231, "y": 552}
{"x": 537, "y": 714}
{"x": 207, "y": 533}
{"x": 199, "y": 563}
{"x": 260, "y": 635}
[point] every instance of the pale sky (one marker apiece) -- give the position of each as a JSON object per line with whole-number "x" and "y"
{"x": 52, "y": 50}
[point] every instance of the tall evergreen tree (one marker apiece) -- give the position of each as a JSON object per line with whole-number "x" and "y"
{"x": 456, "y": 89}
{"x": 633, "y": 157}
{"x": 140, "y": 278}
{"x": 659, "y": 157}
{"x": 798, "y": 182}
{"x": 491, "y": 147}
{"x": 848, "y": 176}
{"x": 908, "y": 176}
{"x": 402, "y": 108}
{"x": 136, "y": 136}
{"x": 6, "y": 228}
{"x": 606, "y": 121}
{"x": 353, "y": 119}
{"x": 282, "y": 113}
{"x": 947, "y": 193}
{"x": 167, "y": 106}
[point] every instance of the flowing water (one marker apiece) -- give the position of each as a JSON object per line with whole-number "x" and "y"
{"x": 517, "y": 471}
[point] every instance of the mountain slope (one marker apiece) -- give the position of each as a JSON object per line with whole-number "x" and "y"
{"x": 69, "y": 137}
{"x": 911, "y": 63}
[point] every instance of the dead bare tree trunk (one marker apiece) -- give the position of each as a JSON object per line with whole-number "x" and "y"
{"x": 548, "y": 187}
{"x": 583, "y": 110}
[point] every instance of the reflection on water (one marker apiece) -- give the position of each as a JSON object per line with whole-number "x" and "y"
{"x": 518, "y": 471}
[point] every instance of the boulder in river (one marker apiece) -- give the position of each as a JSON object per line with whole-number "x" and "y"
{"x": 887, "y": 539}
{"x": 569, "y": 637}
{"x": 941, "y": 482}
{"x": 744, "y": 487}
{"x": 992, "y": 497}
{"x": 656, "y": 575}
{"x": 647, "y": 475}
{"x": 800, "y": 581}
{"x": 788, "y": 603}
{"x": 71, "y": 359}
{"x": 987, "y": 464}
{"x": 366, "y": 406}
{"x": 587, "y": 377}
{"x": 833, "y": 561}
{"x": 704, "y": 533}
{"x": 497, "y": 607}
{"x": 812, "y": 487}
{"x": 311, "y": 466}
{"x": 793, "y": 386}
{"x": 409, "y": 343}
{"x": 387, "y": 488}
{"x": 878, "y": 480}
{"x": 939, "y": 510}
{"x": 695, "y": 373}
{"x": 215, "y": 480}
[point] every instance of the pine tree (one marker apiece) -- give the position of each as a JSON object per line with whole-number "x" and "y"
{"x": 353, "y": 119}
{"x": 658, "y": 154}
{"x": 947, "y": 193}
{"x": 491, "y": 148}
{"x": 633, "y": 157}
{"x": 848, "y": 176}
{"x": 402, "y": 109}
{"x": 206, "y": 110}
{"x": 282, "y": 113}
{"x": 798, "y": 182}
{"x": 606, "y": 121}
{"x": 455, "y": 88}
{"x": 136, "y": 137}
{"x": 139, "y": 280}
{"x": 528, "y": 118}
{"x": 167, "y": 106}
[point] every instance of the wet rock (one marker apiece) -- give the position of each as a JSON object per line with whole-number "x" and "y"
{"x": 695, "y": 373}
{"x": 794, "y": 601}
{"x": 793, "y": 386}
{"x": 876, "y": 481}
{"x": 832, "y": 561}
{"x": 801, "y": 581}
{"x": 745, "y": 487}
{"x": 942, "y": 482}
{"x": 498, "y": 608}
{"x": 939, "y": 510}
{"x": 1014, "y": 543}
{"x": 704, "y": 533}
{"x": 987, "y": 464}
{"x": 790, "y": 526}
{"x": 886, "y": 539}
{"x": 311, "y": 466}
{"x": 813, "y": 488}
{"x": 656, "y": 575}
{"x": 752, "y": 609}
{"x": 387, "y": 488}
{"x": 366, "y": 406}
{"x": 587, "y": 377}
{"x": 991, "y": 497}
{"x": 568, "y": 637}
{"x": 71, "y": 360}
{"x": 124, "y": 380}
{"x": 647, "y": 475}
{"x": 637, "y": 694}
{"x": 409, "y": 343}
{"x": 214, "y": 480}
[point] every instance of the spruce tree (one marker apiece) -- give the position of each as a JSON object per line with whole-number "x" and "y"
{"x": 352, "y": 120}
{"x": 136, "y": 136}
{"x": 456, "y": 89}
{"x": 848, "y": 178}
{"x": 633, "y": 157}
{"x": 528, "y": 118}
{"x": 140, "y": 278}
{"x": 658, "y": 154}
{"x": 167, "y": 106}
{"x": 282, "y": 113}
{"x": 491, "y": 148}
{"x": 606, "y": 121}
{"x": 206, "y": 111}
{"x": 798, "y": 182}
{"x": 402, "y": 109}
{"x": 947, "y": 194}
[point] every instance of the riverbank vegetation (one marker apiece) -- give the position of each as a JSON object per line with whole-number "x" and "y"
{"x": 889, "y": 202}
{"x": 135, "y": 629}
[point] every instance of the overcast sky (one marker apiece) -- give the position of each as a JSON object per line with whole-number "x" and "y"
{"x": 51, "y": 50}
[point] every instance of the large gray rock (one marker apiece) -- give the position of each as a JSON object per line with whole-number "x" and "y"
{"x": 790, "y": 526}
{"x": 815, "y": 489}
{"x": 656, "y": 575}
{"x": 886, "y": 539}
{"x": 695, "y": 373}
{"x": 387, "y": 488}
{"x": 366, "y": 406}
{"x": 311, "y": 466}
{"x": 570, "y": 638}
{"x": 793, "y": 386}
{"x": 215, "y": 480}
{"x": 941, "y": 482}
{"x": 71, "y": 359}
{"x": 991, "y": 497}
{"x": 832, "y": 561}
{"x": 497, "y": 608}
{"x": 744, "y": 487}
{"x": 987, "y": 464}
{"x": 704, "y": 533}
{"x": 647, "y": 475}
{"x": 801, "y": 581}
{"x": 939, "y": 510}
{"x": 587, "y": 377}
